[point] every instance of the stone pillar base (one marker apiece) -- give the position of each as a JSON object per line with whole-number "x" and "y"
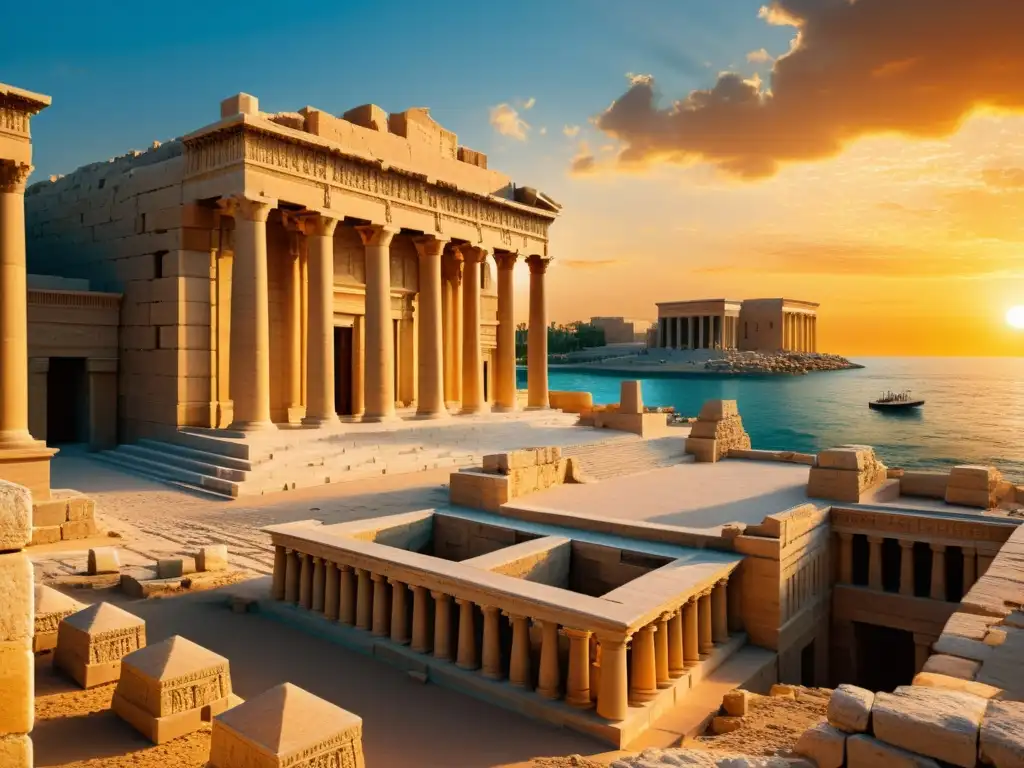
{"x": 478, "y": 410}
{"x": 388, "y": 418}
{"x": 252, "y": 426}
{"x": 29, "y": 466}
{"x": 433, "y": 416}
{"x": 296, "y": 414}
{"x": 321, "y": 421}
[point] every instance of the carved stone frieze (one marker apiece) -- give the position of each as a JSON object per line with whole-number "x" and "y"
{"x": 915, "y": 526}
{"x": 13, "y": 120}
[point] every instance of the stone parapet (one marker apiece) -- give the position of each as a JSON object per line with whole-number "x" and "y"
{"x": 845, "y": 473}
{"x": 975, "y": 486}
{"x": 507, "y": 476}
{"x": 717, "y": 432}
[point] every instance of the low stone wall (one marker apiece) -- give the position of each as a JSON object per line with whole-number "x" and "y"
{"x": 67, "y": 515}
{"x": 790, "y": 457}
{"x": 507, "y": 476}
{"x": 925, "y": 485}
{"x": 571, "y": 402}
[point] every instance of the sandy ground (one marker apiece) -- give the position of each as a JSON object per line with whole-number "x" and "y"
{"x": 771, "y": 725}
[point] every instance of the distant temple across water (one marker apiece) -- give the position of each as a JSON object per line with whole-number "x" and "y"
{"x": 766, "y": 325}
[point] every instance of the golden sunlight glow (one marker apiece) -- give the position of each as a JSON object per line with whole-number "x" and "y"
{"x": 1015, "y": 317}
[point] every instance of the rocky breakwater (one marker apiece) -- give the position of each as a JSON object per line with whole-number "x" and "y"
{"x": 735, "y": 362}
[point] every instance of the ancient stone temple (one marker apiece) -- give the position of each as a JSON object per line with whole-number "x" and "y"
{"x": 295, "y": 267}
{"x": 764, "y": 325}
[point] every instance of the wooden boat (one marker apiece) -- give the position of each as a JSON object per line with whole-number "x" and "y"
{"x": 896, "y": 401}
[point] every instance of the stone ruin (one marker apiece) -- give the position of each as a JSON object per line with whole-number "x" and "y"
{"x": 92, "y": 643}
{"x": 51, "y": 608}
{"x": 717, "y": 431}
{"x": 845, "y": 473}
{"x": 507, "y": 476}
{"x": 17, "y": 612}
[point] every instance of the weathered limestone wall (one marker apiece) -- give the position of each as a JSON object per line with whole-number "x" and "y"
{"x": 544, "y": 560}
{"x": 457, "y": 539}
{"x": 17, "y": 626}
{"x": 506, "y": 476}
{"x": 597, "y": 570}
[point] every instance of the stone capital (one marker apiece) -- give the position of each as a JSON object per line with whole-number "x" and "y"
{"x": 428, "y": 245}
{"x": 875, "y": 539}
{"x": 316, "y": 224}
{"x": 345, "y": 568}
{"x": 239, "y": 207}
{"x": 723, "y": 582}
{"x": 451, "y": 267}
{"x": 14, "y": 177}
{"x": 472, "y": 253}
{"x": 906, "y": 543}
{"x": 464, "y": 601}
{"x": 938, "y": 547}
{"x": 576, "y": 634}
{"x": 396, "y": 583}
{"x": 377, "y": 577}
{"x": 440, "y": 596}
{"x": 667, "y": 616}
{"x": 376, "y": 234}
{"x": 647, "y": 628}
{"x": 490, "y": 609}
{"x": 538, "y": 264}
{"x": 845, "y": 536}
{"x": 505, "y": 260}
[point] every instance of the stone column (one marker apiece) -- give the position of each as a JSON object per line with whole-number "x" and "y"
{"x": 380, "y": 341}
{"x": 250, "y": 317}
{"x": 519, "y": 663}
{"x": 643, "y": 678}
{"x": 705, "y": 643}
{"x": 700, "y": 332}
{"x": 938, "y": 590}
{"x": 661, "y": 651}
{"x": 577, "y": 684}
{"x": 430, "y": 381}
{"x": 720, "y": 613}
{"x": 814, "y": 333}
{"x": 359, "y": 366}
{"x": 612, "y": 701}
{"x": 472, "y": 355}
{"x": 466, "y": 658}
{"x": 537, "y": 339}
{"x": 676, "y": 656}
{"x": 294, "y": 322}
{"x": 320, "y": 334}
{"x": 399, "y": 613}
{"x": 505, "y": 357}
{"x": 364, "y": 599}
{"x": 420, "y": 620}
{"x": 381, "y": 610}
{"x": 492, "y": 643}
{"x": 549, "y": 675}
{"x": 305, "y": 581}
{"x": 691, "y": 637}
{"x": 346, "y": 595}
{"x": 906, "y": 567}
{"x": 291, "y": 577}
{"x": 875, "y": 562}
{"x": 845, "y": 557}
{"x": 442, "y": 626}
{"x": 970, "y": 567}
{"x": 331, "y": 591}
{"x": 280, "y": 568}
{"x": 319, "y": 584}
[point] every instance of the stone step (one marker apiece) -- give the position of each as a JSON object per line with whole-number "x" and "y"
{"x": 162, "y": 470}
{"x": 127, "y": 465}
{"x": 174, "y": 459}
{"x": 218, "y": 459}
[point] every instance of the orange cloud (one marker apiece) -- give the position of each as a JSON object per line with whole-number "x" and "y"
{"x": 588, "y": 263}
{"x": 1007, "y": 178}
{"x": 912, "y": 67}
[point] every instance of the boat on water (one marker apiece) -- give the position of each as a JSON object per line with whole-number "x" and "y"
{"x": 896, "y": 401}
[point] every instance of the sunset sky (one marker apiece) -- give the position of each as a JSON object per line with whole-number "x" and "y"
{"x": 863, "y": 155}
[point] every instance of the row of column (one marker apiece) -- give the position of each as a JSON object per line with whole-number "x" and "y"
{"x": 599, "y": 671}
{"x": 937, "y": 589}
{"x": 250, "y": 331}
{"x": 698, "y": 332}
{"x": 799, "y": 332}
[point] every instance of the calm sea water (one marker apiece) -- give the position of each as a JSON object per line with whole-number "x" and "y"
{"x": 974, "y": 411}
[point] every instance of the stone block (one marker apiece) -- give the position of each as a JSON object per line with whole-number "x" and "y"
{"x": 735, "y": 702}
{"x": 15, "y": 516}
{"x": 823, "y": 744}
{"x": 49, "y": 513}
{"x": 782, "y": 691}
{"x": 212, "y": 558}
{"x": 716, "y": 410}
{"x": 171, "y": 688}
{"x": 239, "y": 104}
{"x": 170, "y": 568}
{"x": 965, "y": 497}
{"x": 1001, "y": 740}
{"x": 49, "y": 534}
{"x": 17, "y": 595}
{"x": 92, "y": 642}
{"x": 16, "y": 751}
{"x": 929, "y": 485}
{"x": 864, "y": 752}
{"x": 849, "y": 708}
{"x": 932, "y": 722}
{"x": 974, "y": 478}
{"x": 17, "y": 688}
{"x": 720, "y": 724}
{"x": 506, "y": 462}
{"x": 704, "y": 429}
{"x": 854, "y": 459}
{"x": 51, "y": 607}
{"x": 834, "y": 484}
{"x": 104, "y": 560}
{"x": 953, "y": 666}
{"x": 947, "y": 683}
{"x": 77, "y": 529}
{"x": 631, "y": 397}
{"x": 702, "y": 449}
{"x": 286, "y": 726}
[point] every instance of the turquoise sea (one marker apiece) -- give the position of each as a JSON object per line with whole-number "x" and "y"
{"x": 974, "y": 411}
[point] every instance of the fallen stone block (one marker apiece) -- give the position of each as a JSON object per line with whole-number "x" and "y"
{"x": 171, "y": 688}
{"x": 92, "y": 642}
{"x": 286, "y": 726}
{"x": 77, "y": 529}
{"x": 823, "y": 744}
{"x": 931, "y": 722}
{"x": 782, "y": 691}
{"x": 104, "y": 560}
{"x": 16, "y": 751}
{"x": 51, "y": 607}
{"x": 49, "y": 513}
{"x": 849, "y": 708}
{"x": 865, "y": 752}
{"x": 947, "y": 683}
{"x": 213, "y": 558}
{"x": 170, "y": 568}
{"x": 47, "y": 534}
{"x": 735, "y": 702}
{"x": 725, "y": 724}
{"x": 15, "y": 516}
{"x": 1001, "y": 741}
{"x": 953, "y": 666}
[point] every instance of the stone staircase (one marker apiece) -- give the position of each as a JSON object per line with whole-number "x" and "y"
{"x": 627, "y": 456}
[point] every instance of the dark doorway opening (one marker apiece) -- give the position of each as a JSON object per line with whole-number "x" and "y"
{"x": 343, "y": 349}
{"x": 396, "y": 336}
{"x": 67, "y": 401}
{"x": 487, "y": 392}
{"x": 861, "y": 552}
{"x": 885, "y": 657}
{"x": 807, "y": 672}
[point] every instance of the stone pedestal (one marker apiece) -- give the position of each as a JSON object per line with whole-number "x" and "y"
{"x": 51, "y": 607}
{"x": 845, "y": 473}
{"x": 170, "y": 689}
{"x": 92, "y": 642}
{"x": 286, "y": 726}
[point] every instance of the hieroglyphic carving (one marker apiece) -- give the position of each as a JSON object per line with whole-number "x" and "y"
{"x": 48, "y": 622}
{"x": 113, "y": 646}
{"x": 13, "y": 120}
{"x": 341, "y": 751}
{"x": 355, "y": 176}
{"x": 192, "y": 696}
{"x": 915, "y": 526}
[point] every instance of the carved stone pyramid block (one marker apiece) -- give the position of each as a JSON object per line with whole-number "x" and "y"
{"x": 52, "y": 607}
{"x": 92, "y": 642}
{"x": 171, "y": 688}
{"x": 287, "y": 726}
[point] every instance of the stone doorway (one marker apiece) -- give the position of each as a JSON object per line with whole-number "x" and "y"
{"x": 67, "y": 401}
{"x": 343, "y": 352}
{"x": 885, "y": 657}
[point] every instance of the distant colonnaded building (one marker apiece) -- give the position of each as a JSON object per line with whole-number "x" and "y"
{"x": 766, "y": 325}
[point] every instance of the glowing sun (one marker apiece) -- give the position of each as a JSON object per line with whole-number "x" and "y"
{"x": 1015, "y": 317}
